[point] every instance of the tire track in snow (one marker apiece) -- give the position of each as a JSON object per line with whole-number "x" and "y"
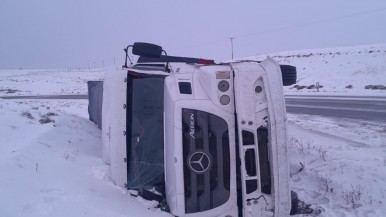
{"x": 320, "y": 133}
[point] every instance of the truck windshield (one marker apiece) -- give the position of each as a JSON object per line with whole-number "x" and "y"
{"x": 144, "y": 136}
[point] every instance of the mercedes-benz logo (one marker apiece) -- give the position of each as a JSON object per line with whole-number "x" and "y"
{"x": 199, "y": 162}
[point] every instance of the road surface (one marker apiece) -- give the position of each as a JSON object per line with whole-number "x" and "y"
{"x": 367, "y": 108}
{"x": 46, "y": 97}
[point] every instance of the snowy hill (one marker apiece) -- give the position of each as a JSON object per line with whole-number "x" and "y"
{"x": 47, "y": 81}
{"x": 341, "y": 71}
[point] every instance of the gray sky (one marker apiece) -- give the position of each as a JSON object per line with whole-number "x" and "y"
{"x": 82, "y": 33}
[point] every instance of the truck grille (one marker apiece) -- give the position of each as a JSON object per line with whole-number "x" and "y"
{"x": 206, "y": 160}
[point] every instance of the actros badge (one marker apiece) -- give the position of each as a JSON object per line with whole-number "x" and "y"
{"x": 199, "y": 162}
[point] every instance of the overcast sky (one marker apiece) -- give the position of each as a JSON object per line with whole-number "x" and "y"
{"x": 82, "y": 33}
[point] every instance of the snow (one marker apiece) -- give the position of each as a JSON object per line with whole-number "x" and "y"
{"x": 47, "y": 81}
{"x": 56, "y": 168}
{"x": 344, "y": 164}
{"x": 335, "y": 69}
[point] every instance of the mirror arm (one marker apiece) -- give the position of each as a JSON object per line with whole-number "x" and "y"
{"x": 167, "y": 63}
{"x": 127, "y": 55}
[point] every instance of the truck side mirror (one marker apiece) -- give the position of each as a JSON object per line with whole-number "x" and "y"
{"x": 147, "y": 50}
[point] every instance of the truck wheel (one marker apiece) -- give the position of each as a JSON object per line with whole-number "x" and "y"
{"x": 294, "y": 203}
{"x": 288, "y": 74}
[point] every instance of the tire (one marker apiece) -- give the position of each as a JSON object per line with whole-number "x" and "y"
{"x": 288, "y": 74}
{"x": 294, "y": 203}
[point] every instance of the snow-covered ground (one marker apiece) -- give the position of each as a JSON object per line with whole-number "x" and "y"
{"x": 339, "y": 165}
{"x": 51, "y": 163}
{"x": 341, "y": 71}
{"x": 55, "y": 168}
{"x": 46, "y": 82}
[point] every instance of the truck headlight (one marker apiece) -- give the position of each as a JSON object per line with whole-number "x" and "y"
{"x": 223, "y": 86}
{"x": 225, "y": 99}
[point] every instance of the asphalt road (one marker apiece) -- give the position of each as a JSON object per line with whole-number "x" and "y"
{"x": 46, "y": 97}
{"x": 366, "y": 108}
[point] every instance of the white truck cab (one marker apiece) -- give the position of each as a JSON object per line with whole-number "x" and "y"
{"x": 211, "y": 138}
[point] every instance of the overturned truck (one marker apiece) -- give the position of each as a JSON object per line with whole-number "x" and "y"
{"x": 207, "y": 139}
